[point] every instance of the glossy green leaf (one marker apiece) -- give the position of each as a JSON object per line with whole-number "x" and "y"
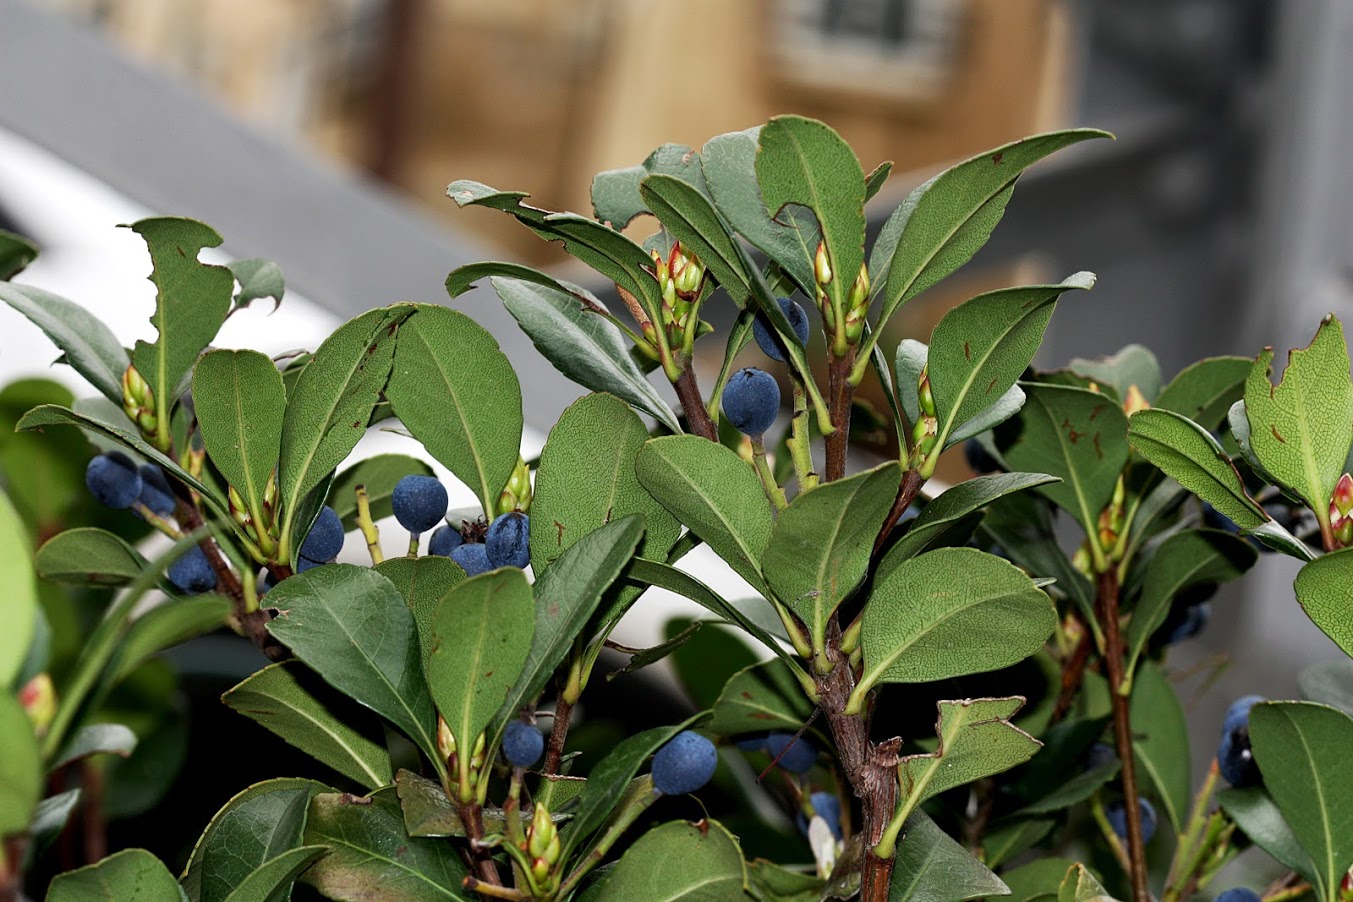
{"x": 1005, "y": 407}
{"x": 1204, "y": 391}
{"x": 679, "y": 861}
{"x": 1075, "y": 790}
{"x": 1133, "y": 365}
{"x": 932, "y": 867}
{"x": 353, "y": 628}
{"x": 981, "y": 347}
{"x": 86, "y": 343}
{"x": 96, "y": 739}
{"x": 1013, "y": 836}
{"x": 770, "y": 882}
{"x": 379, "y": 474}
{"x": 715, "y": 493}
{"x": 1186, "y": 453}
{"x": 950, "y": 612}
{"x": 481, "y": 638}
{"x": 16, "y": 252}
{"x": 1078, "y": 436}
{"x": 1039, "y": 879}
{"x": 239, "y": 402}
{"x": 1182, "y": 560}
{"x": 88, "y": 556}
{"x": 1302, "y": 751}
{"x": 759, "y": 699}
{"x": 51, "y": 817}
{"x": 1259, "y": 818}
{"x": 462, "y": 278}
{"x": 1160, "y": 740}
{"x": 820, "y": 546}
{"x": 428, "y": 812}
{"x": 1325, "y": 589}
{"x": 424, "y": 582}
{"x": 582, "y": 345}
{"x": 1080, "y": 885}
{"x": 272, "y": 880}
{"x": 688, "y": 214}
{"x": 21, "y": 604}
{"x": 288, "y": 700}
{"x": 372, "y": 856}
{"x": 328, "y": 408}
{"x": 1301, "y": 429}
{"x": 248, "y": 834}
{"x": 132, "y": 875}
{"x": 616, "y": 195}
{"x": 21, "y": 777}
{"x": 1329, "y": 683}
{"x": 165, "y": 626}
{"x": 258, "y": 279}
{"x": 647, "y": 657}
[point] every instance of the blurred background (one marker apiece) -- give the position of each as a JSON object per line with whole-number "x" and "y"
{"x": 322, "y": 133}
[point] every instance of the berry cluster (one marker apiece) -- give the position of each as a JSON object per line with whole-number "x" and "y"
{"x": 419, "y": 504}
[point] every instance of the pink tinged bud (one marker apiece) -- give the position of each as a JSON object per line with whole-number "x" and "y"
{"x": 822, "y": 268}
{"x": 1341, "y": 502}
{"x": 1134, "y": 401}
{"x": 446, "y": 743}
{"x": 38, "y": 698}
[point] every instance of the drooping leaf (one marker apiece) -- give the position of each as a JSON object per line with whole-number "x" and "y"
{"x": 239, "y": 402}
{"x": 678, "y": 861}
{"x": 288, "y": 700}
{"x": 258, "y": 279}
{"x": 379, "y": 473}
{"x": 16, "y": 252}
{"x": 21, "y": 777}
{"x": 820, "y": 546}
{"x": 1013, "y": 836}
{"x": 51, "y": 817}
{"x": 1329, "y": 683}
{"x": 21, "y": 605}
{"x": 462, "y": 278}
{"x": 1205, "y": 390}
{"x": 86, "y": 343}
{"x": 1006, "y": 406}
{"x": 703, "y": 667}
{"x": 932, "y": 867}
{"x": 761, "y": 698}
{"x": 1080, "y": 885}
{"x": 246, "y": 835}
{"x": 132, "y": 875}
{"x": 1133, "y": 365}
{"x": 352, "y": 627}
{"x": 1325, "y": 589}
{"x": 1075, "y": 790}
{"x": 688, "y": 214}
{"x": 89, "y": 556}
{"x": 1186, "y": 453}
{"x": 96, "y": 739}
{"x": 271, "y": 881}
{"x": 616, "y": 195}
{"x": 1160, "y": 741}
{"x": 1259, "y": 818}
{"x": 165, "y": 626}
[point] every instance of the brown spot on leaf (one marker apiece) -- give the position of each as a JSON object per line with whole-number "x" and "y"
{"x": 747, "y": 695}
{"x": 560, "y": 528}
{"x": 998, "y": 157}
{"x": 182, "y": 252}
{"x": 348, "y": 798}
{"x": 1277, "y": 435}
{"x": 1099, "y": 452}
{"x": 967, "y": 352}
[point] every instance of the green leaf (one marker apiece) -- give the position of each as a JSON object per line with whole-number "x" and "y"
{"x": 1182, "y": 560}
{"x": 977, "y": 740}
{"x": 803, "y": 161}
{"x": 51, "y": 817}
{"x": 1133, "y": 365}
{"x": 240, "y": 403}
{"x": 1080, "y": 885}
{"x": 1260, "y": 820}
{"x": 21, "y": 605}
{"x": 950, "y": 612}
{"x": 1205, "y": 391}
{"x": 428, "y": 812}
{"x": 820, "y": 546}
{"x": 1330, "y": 683}
{"x": 462, "y": 278}
{"x": 481, "y": 638}
{"x": 21, "y": 777}
{"x": 372, "y": 857}
{"x": 704, "y": 666}
{"x": 192, "y": 300}
{"x": 1010, "y": 837}
{"x": 679, "y": 861}
{"x": 1325, "y": 589}
{"x": 455, "y": 391}
{"x": 688, "y": 214}
{"x": 1301, "y": 429}
{"x": 932, "y": 867}
{"x": 1006, "y": 406}
{"x": 586, "y": 478}
{"x": 87, "y": 556}
{"x": 379, "y": 474}
{"x": 16, "y": 252}
{"x": 761, "y": 698}
{"x": 258, "y": 279}
{"x": 714, "y": 492}
{"x": 616, "y": 194}
{"x": 272, "y": 880}
{"x": 981, "y": 347}
{"x": 328, "y": 408}
{"x": 1021, "y": 524}
{"x": 582, "y": 345}
{"x": 1160, "y": 741}
{"x": 353, "y": 628}
{"x": 86, "y": 343}
{"x": 1075, "y": 790}
{"x": 1079, "y": 436}
{"x": 288, "y": 700}
{"x": 248, "y": 834}
{"x": 96, "y": 739}
{"x": 1302, "y": 750}
{"x": 132, "y": 875}
{"x": 1184, "y": 451}
{"x": 1039, "y": 879}
{"x": 770, "y": 882}
{"x": 166, "y": 625}
{"x": 423, "y": 582}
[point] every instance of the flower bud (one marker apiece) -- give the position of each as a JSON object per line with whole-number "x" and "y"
{"x": 541, "y": 834}
{"x": 446, "y": 743}
{"x": 822, "y": 267}
{"x": 661, "y": 270}
{"x": 38, "y": 698}
{"x": 927, "y": 398}
{"x": 516, "y": 495}
{"x": 1134, "y": 401}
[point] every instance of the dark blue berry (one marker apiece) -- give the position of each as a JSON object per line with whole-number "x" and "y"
{"x": 753, "y": 743}
{"x": 1187, "y": 624}
{"x": 326, "y": 536}
{"x": 827, "y": 806}
{"x": 192, "y": 573}
{"x": 1238, "y": 714}
{"x": 979, "y": 459}
{"x": 155, "y": 491}
{"x": 507, "y": 540}
{"x": 419, "y": 502}
{"x": 304, "y": 563}
{"x": 684, "y": 764}
{"x": 473, "y": 559}
{"x": 1235, "y": 758}
{"x": 1100, "y": 754}
{"x": 769, "y": 340}
{"x": 797, "y": 758}
{"x": 1238, "y": 894}
{"x": 1117, "y": 814}
{"x": 113, "y": 479}
{"x": 445, "y": 540}
{"x": 523, "y": 744}
{"x": 751, "y": 400}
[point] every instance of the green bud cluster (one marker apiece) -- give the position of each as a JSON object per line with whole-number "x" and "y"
{"x": 680, "y": 278}
{"x": 925, "y": 432}
{"x": 544, "y": 850}
{"x": 138, "y": 402}
{"x": 517, "y": 494}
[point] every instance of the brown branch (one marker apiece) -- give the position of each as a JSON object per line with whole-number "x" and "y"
{"x": 906, "y": 494}
{"x": 840, "y": 394}
{"x": 92, "y": 821}
{"x": 11, "y": 867}
{"x": 1073, "y": 673}
{"x": 554, "y": 751}
{"x": 693, "y": 405}
{"x": 481, "y": 858}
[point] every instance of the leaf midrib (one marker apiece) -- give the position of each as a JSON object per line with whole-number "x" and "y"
{"x": 376, "y": 780}
{"x": 722, "y": 521}
{"x": 465, "y": 430}
{"x": 373, "y": 855}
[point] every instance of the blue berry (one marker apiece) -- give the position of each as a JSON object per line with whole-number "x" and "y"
{"x": 1238, "y": 714}
{"x": 1117, "y": 814}
{"x": 1235, "y": 758}
{"x": 523, "y": 744}
{"x": 684, "y": 764}
{"x": 473, "y": 559}
{"x": 827, "y": 806}
{"x": 113, "y": 479}
{"x": 1100, "y": 754}
{"x": 769, "y": 340}
{"x": 326, "y": 536}
{"x": 797, "y": 758}
{"x": 751, "y": 400}
{"x": 507, "y": 540}
{"x": 419, "y": 502}
{"x": 304, "y": 563}
{"x": 1238, "y": 894}
{"x": 979, "y": 459}
{"x": 155, "y": 491}
{"x": 445, "y": 540}
{"x": 753, "y": 743}
{"x": 192, "y": 572}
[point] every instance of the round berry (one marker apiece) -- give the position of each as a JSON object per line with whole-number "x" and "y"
{"x": 1100, "y": 754}
{"x": 473, "y": 559}
{"x": 751, "y": 400}
{"x": 445, "y": 540}
{"x": 769, "y": 341}
{"x": 523, "y": 744}
{"x": 155, "y": 491}
{"x": 113, "y": 479}
{"x": 753, "y": 743}
{"x": 796, "y": 755}
{"x": 192, "y": 573}
{"x": 979, "y": 459}
{"x": 1117, "y": 814}
{"x": 1235, "y": 758}
{"x": 507, "y": 540}
{"x": 827, "y": 806}
{"x": 326, "y": 536}
{"x": 304, "y": 563}
{"x": 1238, "y": 894}
{"x": 419, "y": 502}
{"x": 1238, "y": 714}
{"x": 684, "y": 764}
